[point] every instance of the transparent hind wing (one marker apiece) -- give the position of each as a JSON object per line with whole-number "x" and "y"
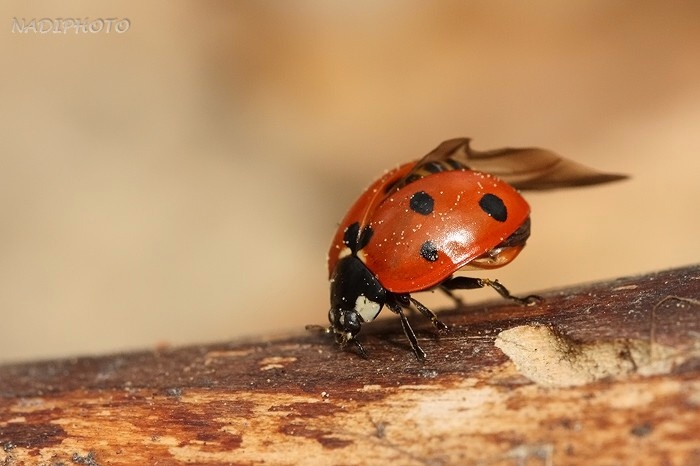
{"x": 528, "y": 168}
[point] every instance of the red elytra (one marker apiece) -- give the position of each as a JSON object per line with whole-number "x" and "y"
{"x": 458, "y": 228}
{"x": 418, "y": 224}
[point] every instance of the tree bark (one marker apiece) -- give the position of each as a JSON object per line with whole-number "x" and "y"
{"x": 605, "y": 373}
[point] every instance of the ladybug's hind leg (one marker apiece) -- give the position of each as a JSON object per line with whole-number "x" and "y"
{"x": 457, "y": 299}
{"x": 470, "y": 283}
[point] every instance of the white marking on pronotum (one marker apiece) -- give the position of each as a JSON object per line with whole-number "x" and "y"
{"x": 367, "y": 308}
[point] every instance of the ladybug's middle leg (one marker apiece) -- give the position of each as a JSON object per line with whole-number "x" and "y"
{"x": 470, "y": 283}
{"x": 406, "y": 300}
{"x": 429, "y": 314}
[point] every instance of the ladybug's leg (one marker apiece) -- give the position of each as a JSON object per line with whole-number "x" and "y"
{"x": 360, "y": 348}
{"x": 405, "y": 300}
{"x": 343, "y": 341}
{"x": 429, "y": 314}
{"x": 470, "y": 283}
{"x": 407, "y": 330}
{"x": 458, "y": 300}
{"x": 503, "y": 291}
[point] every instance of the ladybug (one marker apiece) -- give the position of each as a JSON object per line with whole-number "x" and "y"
{"x": 420, "y": 223}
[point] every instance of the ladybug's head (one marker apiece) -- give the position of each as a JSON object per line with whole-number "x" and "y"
{"x": 356, "y": 297}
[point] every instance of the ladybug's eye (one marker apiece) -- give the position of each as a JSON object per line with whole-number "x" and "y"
{"x": 350, "y": 322}
{"x": 345, "y": 322}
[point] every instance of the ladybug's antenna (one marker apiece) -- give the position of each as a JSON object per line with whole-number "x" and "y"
{"x": 318, "y": 328}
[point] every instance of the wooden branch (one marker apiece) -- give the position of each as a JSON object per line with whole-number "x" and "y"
{"x": 607, "y": 373}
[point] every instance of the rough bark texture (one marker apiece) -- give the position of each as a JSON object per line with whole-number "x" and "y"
{"x": 607, "y": 373}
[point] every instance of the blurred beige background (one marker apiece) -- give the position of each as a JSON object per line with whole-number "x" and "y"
{"x": 180, "y": 182}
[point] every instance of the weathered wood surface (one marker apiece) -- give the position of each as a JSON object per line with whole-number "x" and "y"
{"x": 607, "y": 373}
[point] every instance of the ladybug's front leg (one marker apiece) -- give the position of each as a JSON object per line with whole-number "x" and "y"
{"x": 470, "y": 283}
{"x": 407, "y": 330}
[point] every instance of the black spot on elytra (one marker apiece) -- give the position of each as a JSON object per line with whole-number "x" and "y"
{"x": 365, "y": 236}
{"x": 356, "y": 240}
{"x": 422, "y": 203}
{"x": 428, "y": 251}
{"x": 494, "y": 207}
{"x": 350, "y": 235}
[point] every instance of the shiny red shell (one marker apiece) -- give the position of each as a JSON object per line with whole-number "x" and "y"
{"x": 458, "y": 229}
